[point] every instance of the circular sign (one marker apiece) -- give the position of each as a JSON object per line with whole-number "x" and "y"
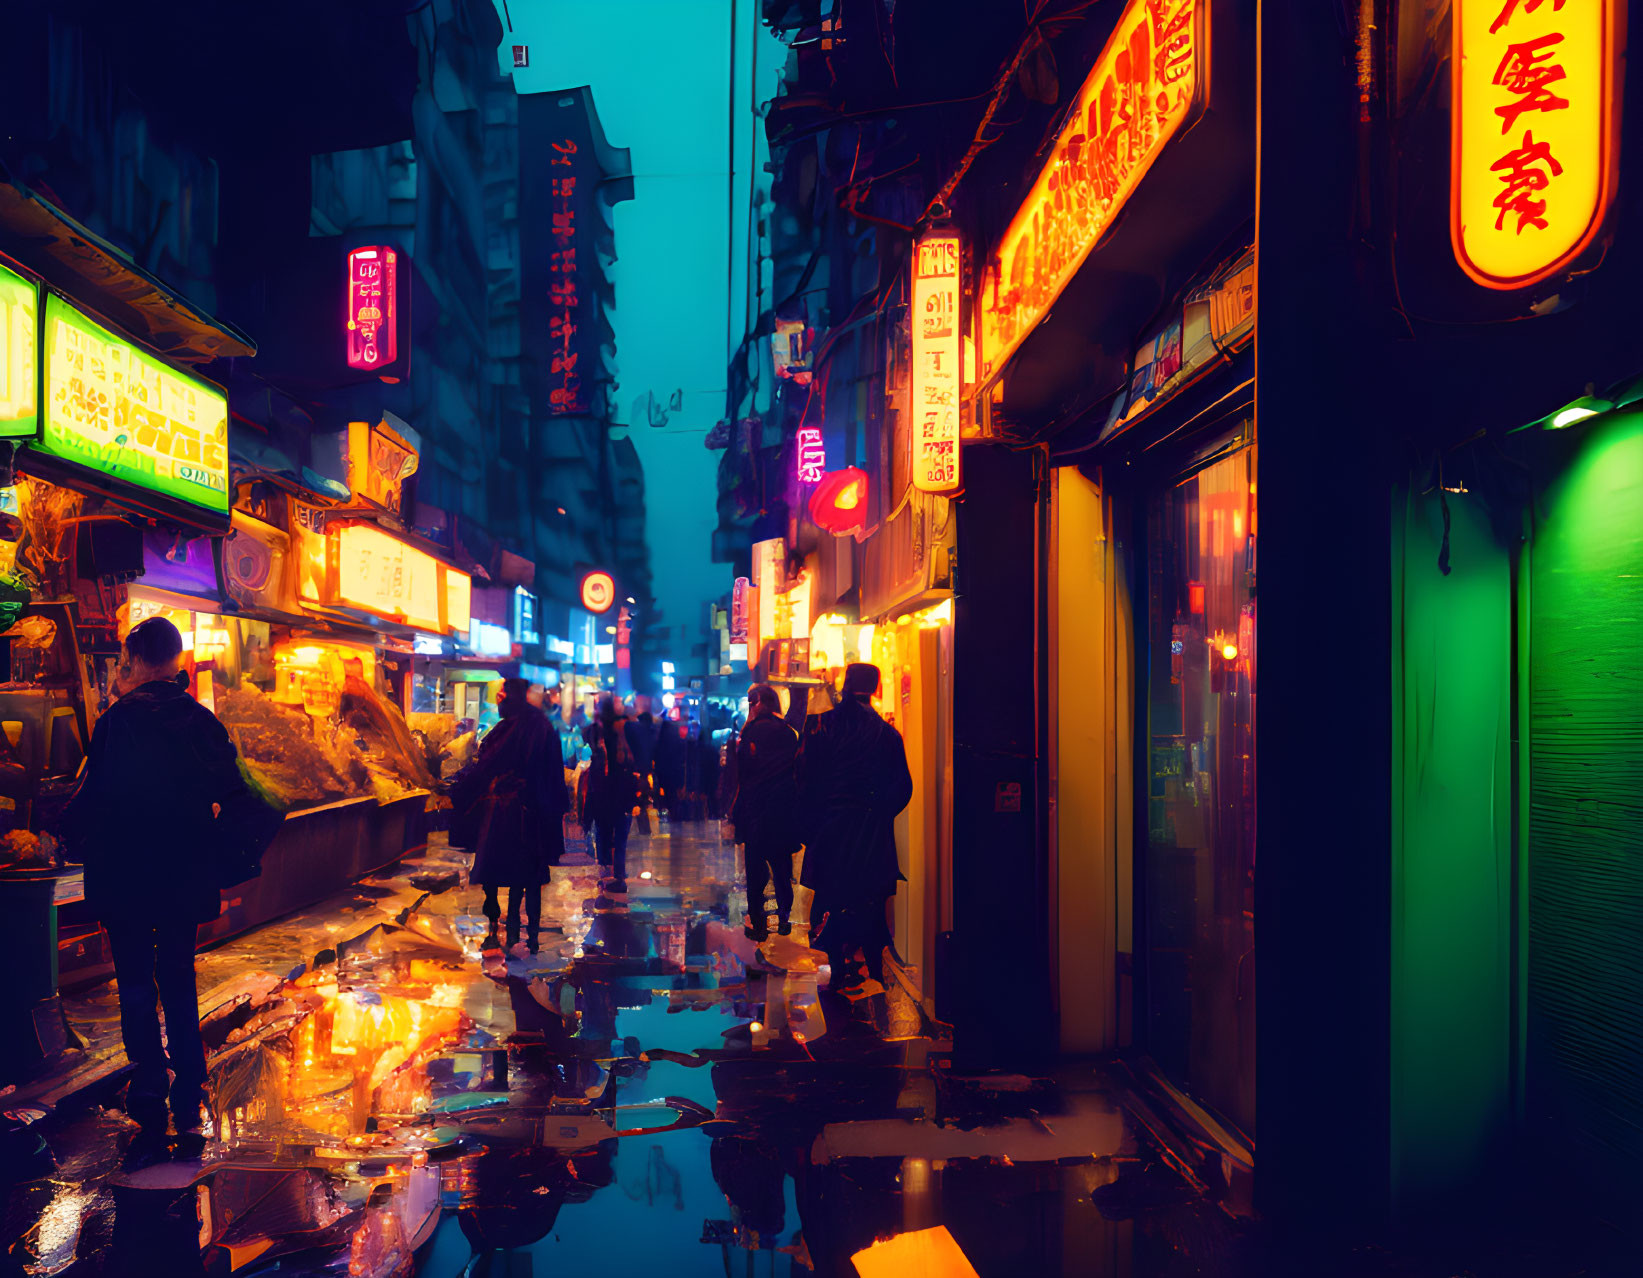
{"x": 598, "y": 591}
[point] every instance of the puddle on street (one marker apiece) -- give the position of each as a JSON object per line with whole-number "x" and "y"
{"x": 647, "y": 1094}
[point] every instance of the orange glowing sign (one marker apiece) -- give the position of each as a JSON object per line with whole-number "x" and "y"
{"x": 936, "y": 389}
{"x": 379, "y": 463}
{"x": 373, "y": 571}
{"x": 1534, "y": 117}
{"x": 1142, "y": 89}
{"x": 373, "y": 336}
{"x": 598, "y": 591}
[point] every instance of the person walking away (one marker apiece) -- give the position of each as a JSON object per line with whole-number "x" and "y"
{"x": 612, "y": 790}
{"x": 514, "y": 801}
{"x": 641, "y": 729}
{"x": 670, "y": 768}
{"x": 855, "y": 781}
{"x": 161, "y": 809}
{"x": 766, "y": 808}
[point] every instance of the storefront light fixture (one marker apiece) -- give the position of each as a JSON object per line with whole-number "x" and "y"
{"x": 1584, "y": 407}
{"x": 1230, "y": 651}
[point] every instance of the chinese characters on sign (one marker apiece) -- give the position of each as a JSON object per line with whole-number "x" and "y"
{"x": 1142, "y": 88}
{"x": 373, "y": 338}
{"x": 812, "y": 455}
{"x": 118, "y": 410}
{"x": 379, "y": 574}
{"x": 564, "y": 300}
{"x": 1534, "y": 97}
{"x": 935, "y": 346}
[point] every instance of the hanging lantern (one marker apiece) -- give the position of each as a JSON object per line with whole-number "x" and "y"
{"x": 839, "y": 504}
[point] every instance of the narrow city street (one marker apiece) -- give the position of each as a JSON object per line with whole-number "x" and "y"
{"x": 647, "y": 1095}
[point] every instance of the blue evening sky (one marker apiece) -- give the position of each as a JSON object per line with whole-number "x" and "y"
{"x": 660, "y": 73}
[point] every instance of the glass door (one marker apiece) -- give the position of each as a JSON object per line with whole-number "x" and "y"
{"x": 1198, "y": 891}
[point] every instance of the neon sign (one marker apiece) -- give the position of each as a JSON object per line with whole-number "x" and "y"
{"x": 812, "y": 455}
{"x": 19, "y": 380}
{"x": 739, "y": 610}
{"x": 936, "y": 363}
{"x": 1136, "y": 99}
{"x": 370, "y": 570}
{"x": 120, "y": 411}
{"x": 598, "y": 591}
{"x": 1533, "y": 121}
{"x": 564, "y": 301}
{"x": 379, "y": 463}
{"x": 373, "y": 336}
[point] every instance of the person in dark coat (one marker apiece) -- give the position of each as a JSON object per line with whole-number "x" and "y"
{"x": 514, "y": 799}
{"x": 855, "y": 783}
{"x": 641, "y": 729}
{"x": 160, "y": 775}
{"x": 612, "y": 790}
{"x": 766, "y": 809}
{"x": 670, "y": 768}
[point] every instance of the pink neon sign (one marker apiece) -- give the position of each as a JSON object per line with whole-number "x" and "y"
{"x": 812, "y": 455}
{"x": 373, "y": 340}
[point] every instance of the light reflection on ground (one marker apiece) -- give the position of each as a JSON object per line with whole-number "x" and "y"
{"x": 647, "y": 1094}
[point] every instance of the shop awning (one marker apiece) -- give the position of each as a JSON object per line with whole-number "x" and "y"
{"x": 95, "y": 272}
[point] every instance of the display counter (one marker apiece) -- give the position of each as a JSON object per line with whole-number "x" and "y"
{"x": 319, "y": 851}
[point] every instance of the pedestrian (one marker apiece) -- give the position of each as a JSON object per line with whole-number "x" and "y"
{"x": 611, "y": 788}
{"x": 161, "y": 819}
{"x": 641, "y": 729}
{"x": 855, "y": 781}
{"x": 514, "y": 803}
{"x": 670, "y": 767}
{"x": 765, "y": 812}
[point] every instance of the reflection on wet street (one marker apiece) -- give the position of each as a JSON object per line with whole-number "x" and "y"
{"x": 650, "y": 1093}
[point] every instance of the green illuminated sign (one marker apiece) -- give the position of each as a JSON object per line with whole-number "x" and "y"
{"x": 120, "y": 411}
{"x": 19, "y": 387}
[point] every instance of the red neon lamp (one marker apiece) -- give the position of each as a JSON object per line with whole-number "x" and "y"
{"x": 839, "y": 504}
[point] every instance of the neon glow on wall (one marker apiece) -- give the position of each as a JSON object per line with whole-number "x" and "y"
{"x": 1534, "y": 118}
{"x": 373, "y": 322}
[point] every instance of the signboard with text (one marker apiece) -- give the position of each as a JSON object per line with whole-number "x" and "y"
{"x": 1143, "y": 87}
{"x": 379, "y": 463}
{"x": 124, "y": 413}
{"x": 811, "y": 455}
{"x": 1534, "y": 120}
{"x": 738, "y": 610}
{"x": 935, "y": 348}
{"x": 372, "y": 320}
{"x": 19, "y": 374}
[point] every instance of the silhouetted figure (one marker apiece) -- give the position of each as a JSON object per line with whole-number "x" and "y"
{"x": 513, "y": 802}
{"x": 767, "y": 808}
{"x": 855, "y": 782}
{"x": 610, "y": 789}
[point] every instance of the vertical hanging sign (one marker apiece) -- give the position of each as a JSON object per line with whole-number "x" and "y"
{"x": 738, "y": 610}
{"x": 564, "y": 298}
{"x": 373, "y": 337}
{"x": 935, "y": 416}
{"x": 1535, "y": 113}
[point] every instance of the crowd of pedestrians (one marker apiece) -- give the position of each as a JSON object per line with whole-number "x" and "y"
{"x": 162, "y": 782}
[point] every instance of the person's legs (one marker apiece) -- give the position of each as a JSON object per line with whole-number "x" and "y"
{"x": 619, "y": 845}
{"x": 875, "y": 937}
{"x": 604, "y": 836}
{"x": 515, "y": 900}
{"x": 179, "y": 995}
{"x": 758, "y": 878}
{"x": 533, "y": 914}
{"x": 133, "y": 946}
{"x": 781, "y": 872}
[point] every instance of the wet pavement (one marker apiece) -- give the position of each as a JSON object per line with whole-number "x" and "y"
{"x": 650, "y": 1094}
